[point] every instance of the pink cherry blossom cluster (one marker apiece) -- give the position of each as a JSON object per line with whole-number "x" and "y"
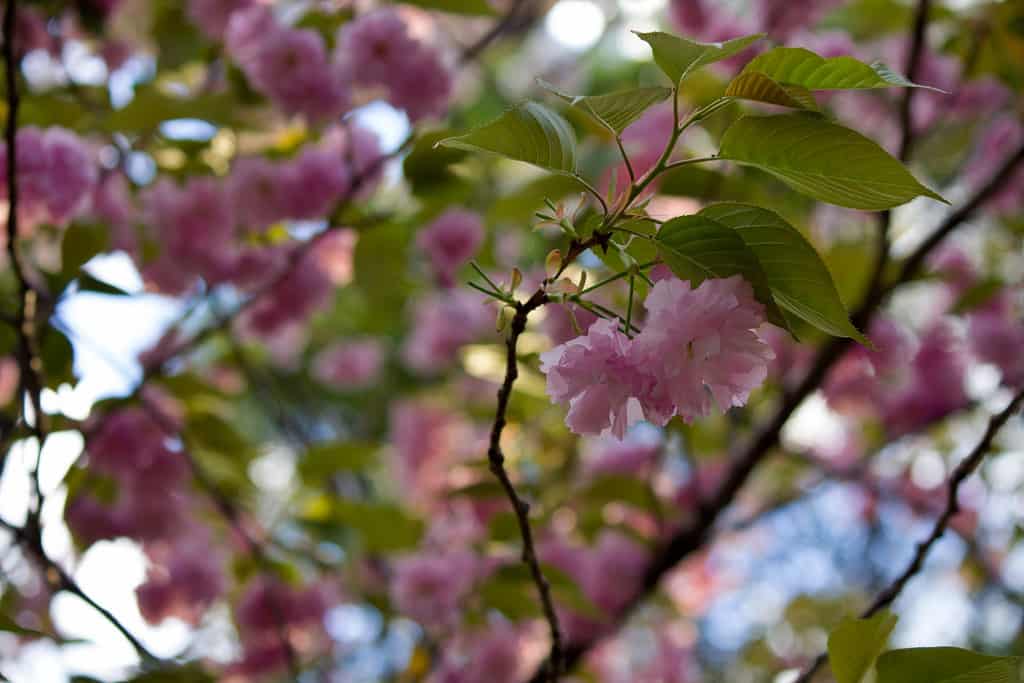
{"x": 492, "y": 654}
{"x": 56, "y": 172}
{"x": 908, "y": 384}
{"x": 715, "y": 21}
{"x": 295, "y": 69}
{"x": 450, "y": 241}
{"x": 350, "y": 365}
{"x": 431, "y": 587}
{"x": 129, "y": 446}
{"x": 152, "y": 505}
{"x": 698, "y": 347}
{"x": 614, "y": 554}
{"x": 205, "y": 227}
{"x": 427, "y": 441}
{"x": 273, "y": 616}
{"x": 443, "y": 322}
{"x": 184, "y": 579}
{"x": 380, "y": 49}
{"x": 291, "y": 67}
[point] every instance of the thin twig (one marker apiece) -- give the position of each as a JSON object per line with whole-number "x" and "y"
{"x": 915, "y": 50}
{"x": 502, "y": 26}
{"x": 964, "y": 470}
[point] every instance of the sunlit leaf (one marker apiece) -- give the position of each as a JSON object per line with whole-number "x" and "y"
{"x": 678, "y": 57}
{"x": 854, "y": 645}
{"x": 798, "y": 66}
{"x": 823, "y": 160}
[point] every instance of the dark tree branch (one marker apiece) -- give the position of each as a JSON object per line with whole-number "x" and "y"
{"x": 995, "y": 183}
{"x": 913, "y": 61}
{"x": 30, "y": 540}
{"x": 29, "y": 537}
{"x": 964, "y": 470}
{"x": 558, "y": 657}
{"x": 504, "y": 25}
{"x": 29, "y": 364}
{"x": 915, "y": 50}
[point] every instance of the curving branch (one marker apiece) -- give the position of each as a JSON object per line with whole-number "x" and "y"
{"x": 496, "y": 460}
{"x": 964, "y": 470}
{"x": 30, "y": 540}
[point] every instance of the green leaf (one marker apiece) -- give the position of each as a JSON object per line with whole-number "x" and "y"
{"x": 854, "y": 645}
{"x": 760, "y": 88}
{"x": 8, "y": 625}
{"x": 946, "y": 665}
{"x": 469, "y": 7}
{"x": 677, "y": 57}
{"x": 58, "y": 357}
{"x": 799, "y": 280}
{"x": 697, "y": 248}
{"x": 528, "y": 132}
{"x": 323, "y": 460}
{"x": 150, "y": 107}
{"x": 797, "y": 66}
{"x": 426, "y": 167}
{"x": 81, "y": 242}
{"x": 383, "y": 527}
{"x": 977, "y": 295}
{"x": 89, "y": 283}
{"x": 618, "y": 488}
{"x": 823, "y": 160}
{"x": 615, "y": 111}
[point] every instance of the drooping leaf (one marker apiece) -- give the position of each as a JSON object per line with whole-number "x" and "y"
{"x": 760, "y": 88}
{"x": 854, "y": 645}
{"x": 528, "y": 132}
{"x": 798, "y": 66}
{"x": 823, "y": 160}
{"x": 677, "y": 57}
{"x": 800, "y": 281}
{"x": 947, "y": 665}
{"x": 697, "y": 248}
{"x": 615, "y": 111}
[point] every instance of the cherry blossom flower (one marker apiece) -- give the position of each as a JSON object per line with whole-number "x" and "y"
{"x": 701, "y": 344}
{"x": 450, "y": 241}
{"x": 349, "y": 365}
